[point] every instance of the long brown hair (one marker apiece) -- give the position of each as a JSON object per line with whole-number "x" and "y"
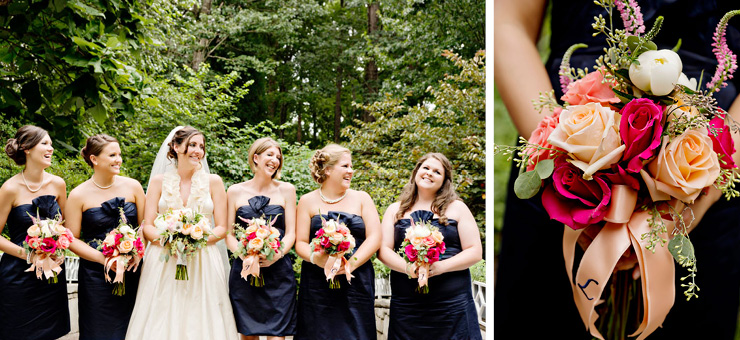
{"x": 445, "y": 195}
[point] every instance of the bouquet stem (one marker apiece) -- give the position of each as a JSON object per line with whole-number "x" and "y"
{"x": 53, "y": 279}
{"x": 257, "y": 281}
{"x": 182, "y": 272}
{"x": 622, "y": 309}
{"x": 334, "y": 284}
{"x": 119, "y": 288}
{"x": 422, "y": 290}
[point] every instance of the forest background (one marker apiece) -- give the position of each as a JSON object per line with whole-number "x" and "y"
{"x": 391, "y": 80}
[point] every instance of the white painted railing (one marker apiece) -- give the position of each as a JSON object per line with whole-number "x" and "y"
{"x": 72, "y": 267}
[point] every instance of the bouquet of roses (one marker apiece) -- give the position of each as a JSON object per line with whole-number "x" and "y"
{"x": 182, "y": 232}
{"x": 635, "y": 143}
{"x": 122, "y": 248}
{"x": 45, "y": 243}
{"x": 260, "y": 240}
{"x": 335, "y": 240}
{"x": 422, "y": 246}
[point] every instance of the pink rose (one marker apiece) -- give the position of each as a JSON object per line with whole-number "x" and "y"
{"x": 429, "y": 241}
{"x": 251, "y": 236}
{"x": 640, "y": 128}
{"x": 344, "y": 246}
{"x": 442, "y": 247}
{"x": 33, "y": 242}
{"x": 63, "y": 242}
{"x": 320, "y": 232}
{"x": 107, "y": 251}
{"x": 69, "y": 234}
{"x": 411, "y": 253}
{"x": 574, "y": 201}
{"x": 48, "y": 245}
{"x": 539, "y": 137}
{"x": 432, "y": 255}
{"x": 590, "y": 89}
{"x": 325, "y": 242}
{"x": 722, "y": 142}
{"x": 683, "y": 167}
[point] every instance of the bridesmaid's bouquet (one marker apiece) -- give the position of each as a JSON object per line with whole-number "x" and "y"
{"x": 260, "y": 240}
{"x": 182, "y": 233}
{"x": 45, "y": 243}
{"x": 335, "y": 240}
{"x": 633, "y": 145}
{"x": 422, "y": 246}
{"x": 122, "y": 248}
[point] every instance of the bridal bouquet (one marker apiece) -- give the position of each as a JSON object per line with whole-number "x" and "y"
{"x": 45, "y": 243}
{"x": 182, "y": 232}
{"x": 335, "y": 240}
{"x": 634, "y": 144}
{"x": 422, "y": 246}
{"x": 260, "y": 240}
{"x": 122, "y": 248}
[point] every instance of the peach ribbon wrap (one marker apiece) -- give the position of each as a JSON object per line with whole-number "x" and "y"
{"x": 121, "y": 262}
{"x": 423, "y": 274}
{"x": 44, "y": 264}
{"x": 251, "y": 266}
{"x": 624, "y": 229}
{"x": 333, "y": 263}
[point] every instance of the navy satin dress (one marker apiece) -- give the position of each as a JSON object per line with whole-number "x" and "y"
{"x": 31, "y": 308}
{"x": 344, "y": 313}
{"x": 271, "y": 309}
{"x": 103, "y": 315}
{"x": 532, "y": 293}
{"x": 448, "y": 310}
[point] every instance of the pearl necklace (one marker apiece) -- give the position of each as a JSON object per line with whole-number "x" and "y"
{"x": 100, "y": 186}
{"x": 28, "y": 187}
{"x": 328, "y": 201}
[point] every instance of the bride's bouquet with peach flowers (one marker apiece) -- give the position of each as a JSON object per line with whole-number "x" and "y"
{"x": 46, "y": 242}
{"x": 634, "y": 143}
{"x": 182, "y": 233}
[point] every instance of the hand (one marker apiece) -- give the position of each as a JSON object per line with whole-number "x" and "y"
{"x": 412, "y": 270}
{"x": 437, "y": 268}
{"x": 319, "y": 259}
{"x": 266, "y": 263}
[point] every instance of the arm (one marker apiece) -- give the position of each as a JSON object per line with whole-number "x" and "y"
{"x": 387, "y": 254}
{"x": 218, "y": 195}
{"x": 519, "y": 72}
{"x": 472, "y": 251}
{"x": 150, "y": 208}
{"x": 7, "y": 196}
{"x": 302, "y": 231}
{"x": 288, "y": 192}
{"x": 231, "y": 241}
{"x": 73, "y": 220}
{"x": 372, "y": 232}
{"x": 60, "y": 187}
{"x": 139, "y": 200}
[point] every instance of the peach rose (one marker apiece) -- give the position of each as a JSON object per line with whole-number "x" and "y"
{"x": 197, "y": 232}
{"x": 256, "y": 243}
{"x": 683, "y": 167}
{"x": 63, "y": 242}
{"x": 589, "y": 134}
{"x": 330, "y": 226}
{"x": 34, "y": 231}
{"x": 126, "y": 246}
{"x": 263, "y": 233}
{"x": 539, "y": 137}
{"x": 416, "y": 241}
{"x": 110, "y": 239}
{"x": 336, "y": 238}
{"x": 187, "y": 228}
{"x": 274, "y": 231}
{"x": 437, "y": 236}
{"x": 590, "y": 89}
{"x": 252, "y": 228}
{"x": 429, "y": 241}
{"x": 680, "y": 111}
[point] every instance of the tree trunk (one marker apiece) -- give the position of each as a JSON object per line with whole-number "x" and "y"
{"x": 199, "y": 55}
{"x": 338, "y": 106}
{"x": 271, "y": 91}
{"x": 283, "y": 107}
{"x": 371, "y": 69}
{"x": 299, "y": 132}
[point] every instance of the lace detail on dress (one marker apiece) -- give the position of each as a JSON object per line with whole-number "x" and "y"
{"x": 200, "y": 191}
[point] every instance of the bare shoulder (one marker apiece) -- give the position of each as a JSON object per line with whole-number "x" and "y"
{"x": 157, "y": 179}
{"x": 286, "y": 188}
{"x": 457, "y": 209}
{"x": 10, "y": 189}
{"x": 364, "y": 196}
{"x": 57, "y": 181}
{"x": 79, "y": 191}
{"x": 130, "y": 181}
{"x": 307, "y": 198}
{"x": 215, "y": 179}
{"x": 236, "y": 189}
{"x": 393, "y": 208}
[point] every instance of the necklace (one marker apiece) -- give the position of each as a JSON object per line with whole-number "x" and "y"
{"x": 100, "y": 186}
{"x": 28, "y": 187}
{"x": 323, "y": 198}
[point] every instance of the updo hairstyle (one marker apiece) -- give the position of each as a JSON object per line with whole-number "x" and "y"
{"x": 94, "y": 146}
{"x": 324, "y": 159}
{"x": 182, "y": 137}
{"x": 261, "y": 145}
{"x": 27, "y": 137}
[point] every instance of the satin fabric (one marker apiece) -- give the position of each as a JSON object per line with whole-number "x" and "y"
{"x": 448, "y": 310}
{"x": 103, "y": 315}
{"x": 271, "y": 309}
{"x": 31, "y": 308}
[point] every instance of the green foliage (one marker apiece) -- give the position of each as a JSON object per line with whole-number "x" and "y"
{"x": 478, "y": 271}
{"x": 452, "y": 123}
{"x": 381, "y": 270}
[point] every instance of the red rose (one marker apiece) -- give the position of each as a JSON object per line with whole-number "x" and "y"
{"x": 640, "y": 128}
{"x": 432, "y": 255}
{"x": 574, "y": 201}
{"x": 722, "y": 142}
{"x": 411, "y": 253}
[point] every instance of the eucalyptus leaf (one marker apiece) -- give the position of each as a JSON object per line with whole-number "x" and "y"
{"x": 544, "y": 168}
{"x": 682, "y": 250}
{"x": 527, "y": 185}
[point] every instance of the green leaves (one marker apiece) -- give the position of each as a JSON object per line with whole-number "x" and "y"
{"x": 528, "y": 183}
{"x": 682, "y": 250}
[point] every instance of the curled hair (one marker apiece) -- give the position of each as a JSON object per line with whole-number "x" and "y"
{"x": 27, "y": 137}
{"x": 325, "y": 158}
{"x": 182, "y": 137}
{"x": 261, "y": 145}
{"x": 94, "y": 146}
{"x": 445, "y": 195}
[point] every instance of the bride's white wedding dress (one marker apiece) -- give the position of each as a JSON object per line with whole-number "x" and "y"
{"x": 198, "y": 308}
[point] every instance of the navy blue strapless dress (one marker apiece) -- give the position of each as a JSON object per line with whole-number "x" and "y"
{"x": 271, "y": 309}
{"x": 344, "y": 313}
{"x": 448, "y": 310}
{"x": 31, "y": 309}
{"x": 103, "y": 315}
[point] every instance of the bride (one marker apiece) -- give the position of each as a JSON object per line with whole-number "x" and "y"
{"x": 198, "y": 308}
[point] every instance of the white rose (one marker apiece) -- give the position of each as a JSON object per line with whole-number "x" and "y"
{"x": 45, "y": 232}
{"x": 685, "y": 81}
{"x": 421, "y": 231}
{"x": 126, "y": 230}
{"x": 657, "y": 71}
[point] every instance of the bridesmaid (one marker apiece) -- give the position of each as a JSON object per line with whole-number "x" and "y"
{"x": 269, "y": 310}
{"x": 91, "y": 212}
{"x": 347, "y": 312}
{"x": 30, "y": 308}
{"x": 448, "y": 310}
